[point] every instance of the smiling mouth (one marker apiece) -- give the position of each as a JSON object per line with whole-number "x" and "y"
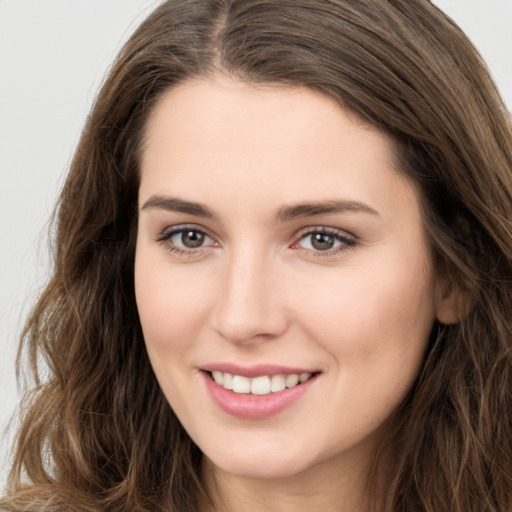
{"x": 261, "y": 385}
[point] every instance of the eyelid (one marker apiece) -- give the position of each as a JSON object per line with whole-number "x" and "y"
{"x": 348, "y": 240}
{"x": 164, "y": 237}
{"x": 168, "y": 231}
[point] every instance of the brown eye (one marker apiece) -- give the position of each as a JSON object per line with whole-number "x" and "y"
{"x": 191, "y": 239}
{"x": 322, "y": 241}
{"x": 186, "y": 239}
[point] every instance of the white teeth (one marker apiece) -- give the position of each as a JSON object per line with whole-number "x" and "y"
{"x": 227, "y": 381}
{"x": 262, "y": 385}
{"x": 292, "y": 380}
{"x": 277, "y": 383}
{"x": 241, "y": 384}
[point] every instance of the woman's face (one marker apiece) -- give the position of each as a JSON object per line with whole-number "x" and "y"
{"x": 277, "y": 243}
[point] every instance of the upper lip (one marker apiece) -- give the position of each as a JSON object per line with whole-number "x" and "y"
{"x": 255, "y": 370}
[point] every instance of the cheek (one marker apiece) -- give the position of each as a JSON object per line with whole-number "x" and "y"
{"x": 376, "y": 331}
{"x": 371, "y": 315}
{"x": 171, "y": 305}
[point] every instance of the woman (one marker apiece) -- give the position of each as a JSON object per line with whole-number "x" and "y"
{"x": 282, "y": 272}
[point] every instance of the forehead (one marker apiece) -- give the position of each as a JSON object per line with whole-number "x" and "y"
{"x": 222, "y": 102}
{"x": 219, "y": 138}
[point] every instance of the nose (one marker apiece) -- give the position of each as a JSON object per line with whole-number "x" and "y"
{"x": 249, "y": 306}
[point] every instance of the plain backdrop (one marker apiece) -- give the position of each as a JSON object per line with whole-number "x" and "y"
{"x": 54, "y": 55}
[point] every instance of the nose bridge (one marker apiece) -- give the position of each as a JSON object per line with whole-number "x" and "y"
{"x": 248, "y": 305}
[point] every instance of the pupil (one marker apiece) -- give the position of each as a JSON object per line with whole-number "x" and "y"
{"x": 192, "y": 239}
{"x": 322, "y": 242}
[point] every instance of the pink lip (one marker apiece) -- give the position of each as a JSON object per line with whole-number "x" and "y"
{"x": 254, "y": 370}
{"x": 255, "y": 407}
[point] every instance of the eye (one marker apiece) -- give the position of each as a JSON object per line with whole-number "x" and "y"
{"x": 325, "y": 240}
{"x": 185, "y": 239}
{"x": 189, "y": 238}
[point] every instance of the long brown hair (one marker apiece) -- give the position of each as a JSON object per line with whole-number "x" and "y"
{"x": 97, "y": 433}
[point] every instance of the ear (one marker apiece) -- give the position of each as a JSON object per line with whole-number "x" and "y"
{"x": 454, "y": 302}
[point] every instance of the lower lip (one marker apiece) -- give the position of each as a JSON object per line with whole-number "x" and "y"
{"x": 255, "y": 407}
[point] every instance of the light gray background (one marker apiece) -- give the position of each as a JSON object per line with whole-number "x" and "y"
{"x": 53, "y": 57}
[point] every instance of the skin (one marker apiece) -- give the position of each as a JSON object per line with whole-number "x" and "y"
{"x": 258, "y": 292}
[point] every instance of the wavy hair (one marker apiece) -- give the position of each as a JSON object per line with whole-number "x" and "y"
{"x": 97, "y": 433}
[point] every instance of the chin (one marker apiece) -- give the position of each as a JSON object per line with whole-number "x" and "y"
{"x": 269, "y": 463}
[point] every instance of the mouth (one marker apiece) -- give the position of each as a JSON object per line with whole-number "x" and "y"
{"x": 257, "y": 393}
{"x": 260, "y": 385}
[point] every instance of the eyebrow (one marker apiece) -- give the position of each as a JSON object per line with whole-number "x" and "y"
{"x": 174, "y": 204}
{"x": 284, "y": 214}
{"x": 300, "y": 210}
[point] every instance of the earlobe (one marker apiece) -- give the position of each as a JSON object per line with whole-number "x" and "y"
{"x": 454, "y": 302}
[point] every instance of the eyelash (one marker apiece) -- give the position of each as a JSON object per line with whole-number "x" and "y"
{"x": 346, "y": 241}
{"x": 165, "y": 238}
